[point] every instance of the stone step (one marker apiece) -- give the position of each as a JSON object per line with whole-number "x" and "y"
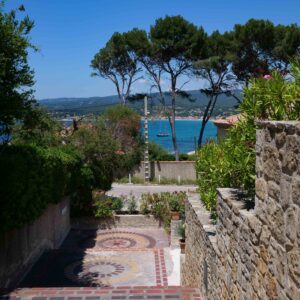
{"x": 97, "y": 293}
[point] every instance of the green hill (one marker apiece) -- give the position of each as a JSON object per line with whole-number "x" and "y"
{"x": 61, "y": 107}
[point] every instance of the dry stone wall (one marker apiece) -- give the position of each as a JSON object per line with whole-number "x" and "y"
{"x": 252, "y": 254}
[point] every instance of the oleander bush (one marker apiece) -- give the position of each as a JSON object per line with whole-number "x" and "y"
{"x": 231, "y": 162}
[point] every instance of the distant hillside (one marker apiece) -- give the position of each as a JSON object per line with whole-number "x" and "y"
{"x": 96, "y": 105}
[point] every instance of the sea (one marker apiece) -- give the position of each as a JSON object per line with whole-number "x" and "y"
{"x": 187, "y": 132}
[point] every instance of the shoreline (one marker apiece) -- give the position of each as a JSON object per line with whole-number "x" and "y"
{"x": 179, "y": 119}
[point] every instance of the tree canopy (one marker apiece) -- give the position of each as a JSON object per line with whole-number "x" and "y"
{"x": 174, "y": 49}
{"x": 16, "y": 76}
{"x": 115, "y": 62}
{"x": 259, "y": 47}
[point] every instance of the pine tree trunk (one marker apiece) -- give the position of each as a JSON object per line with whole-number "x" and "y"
{"x": 173, "y": 129}
{"x": 207, "y": 114}
{"x": 200, "y": 139}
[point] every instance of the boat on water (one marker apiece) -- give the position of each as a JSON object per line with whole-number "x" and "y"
{"x": 162, "y": 134}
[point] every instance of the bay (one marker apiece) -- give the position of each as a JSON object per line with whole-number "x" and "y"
{"x": 187, "y": 131}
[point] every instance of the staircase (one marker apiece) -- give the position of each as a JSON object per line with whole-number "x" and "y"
{"x": 121, "y": 292}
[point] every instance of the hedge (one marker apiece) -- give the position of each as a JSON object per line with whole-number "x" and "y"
{"x": 31, "y": 177}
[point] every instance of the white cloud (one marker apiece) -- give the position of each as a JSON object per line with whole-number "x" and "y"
{"x": 142, "y": 81}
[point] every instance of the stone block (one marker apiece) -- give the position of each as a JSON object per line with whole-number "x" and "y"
{"x": 255, "y": 225}
{"x": 293, "y": 260}
{"x": 296, "y": 191}
{"x": 261, "y": 188}
{"x": 277, "y": 261}
{"x": 280, "y": 139}
{"x": 271, "y": 287}
{"x": 293, "y": 144}
{"x": 273, "y": 190}
{"x": 276, "y": 222}
{"x": 291, "y": 223}
{"x": 286, "y": 190}
{"x": 290, "y": 162}
{"x": 272, "y": 167}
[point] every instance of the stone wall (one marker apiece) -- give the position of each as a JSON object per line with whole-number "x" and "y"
{"x": 168, "y": 170}
{"x": 21, "y": 248}
{"x": 252, "y": 254}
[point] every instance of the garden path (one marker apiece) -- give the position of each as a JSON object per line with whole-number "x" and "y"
{"x": 103, "y": 264}
{"x": 123, "y": 263}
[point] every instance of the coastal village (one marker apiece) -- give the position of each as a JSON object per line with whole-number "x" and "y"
{"x": 184, "y": 184}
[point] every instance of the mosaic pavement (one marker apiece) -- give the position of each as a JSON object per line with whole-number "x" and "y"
{"x": 122, "y": 239}
{"x": 104, "y": 265}
{"x": 105, "y": 258}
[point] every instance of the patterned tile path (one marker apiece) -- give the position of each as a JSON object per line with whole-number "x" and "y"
{"x": 119, "y": 293}
{"x": 105, "y": 258}
{"x": 125, "y": 238}
{"x": 128, "y": 263}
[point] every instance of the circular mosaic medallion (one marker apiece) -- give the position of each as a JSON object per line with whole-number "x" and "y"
{"x": 118, "y": 240}
{"x": 98, "y": 271}
{"x": 115, "y": 242}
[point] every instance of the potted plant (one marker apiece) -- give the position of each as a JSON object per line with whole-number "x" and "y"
{"x": 181, "y": 233}
{"x": 174, "y": 209}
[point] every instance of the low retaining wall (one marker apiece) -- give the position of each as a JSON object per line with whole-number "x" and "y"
{"x": 21, "y": 248}
{"x": 251, "y": 254}
{"x": 169, "y": 170}
{"x": 118, "y": 221}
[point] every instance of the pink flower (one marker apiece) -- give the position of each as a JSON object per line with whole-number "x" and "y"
{"x": 268, "y": 76}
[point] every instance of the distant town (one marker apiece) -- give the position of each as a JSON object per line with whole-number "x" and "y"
{"x": 63, "y": 108}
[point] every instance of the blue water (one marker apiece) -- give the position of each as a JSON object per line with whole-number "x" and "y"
{"x": 186, "y": 132}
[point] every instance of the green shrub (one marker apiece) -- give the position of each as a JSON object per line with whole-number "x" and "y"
{"x": 31, "y": 178}
{"x": 131, "y": 204}
{"x": 277, "y": 98}
{"x": 106, "y": 206}
{"x": 212, "y": 170}
{"x": 181, "y": 230}
{"x": 161, "y": 204}
{"x": 134, "y": 180}
{"x": 231, "y": 163}
{"x": 39, "y": 128}
{"x": 123, "y": 124}
{"x": 158, "y": 153}
{"x": 187, "y": 157}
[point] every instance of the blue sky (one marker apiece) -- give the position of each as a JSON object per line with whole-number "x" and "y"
{"x": 70, "y": 32}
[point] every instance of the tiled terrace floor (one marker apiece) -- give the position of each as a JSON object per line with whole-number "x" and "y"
{"x": 127, "y": 263}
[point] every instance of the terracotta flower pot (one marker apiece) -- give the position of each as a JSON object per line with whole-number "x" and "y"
{"x": 175, "y": 215}
{"x": 182, "y": 245}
